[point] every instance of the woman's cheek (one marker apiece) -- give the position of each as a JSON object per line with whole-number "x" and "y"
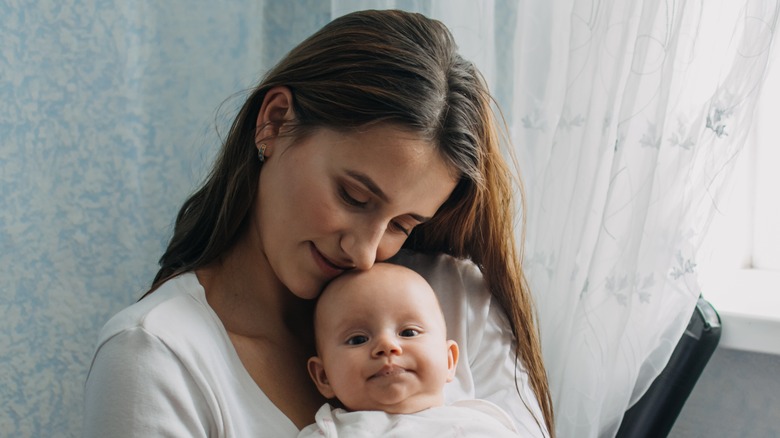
{"x": 328, "y": 215}
{"x": 390, "y": 246}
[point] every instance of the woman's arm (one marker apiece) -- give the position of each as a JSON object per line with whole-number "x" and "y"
{"x": 137, "y": 387}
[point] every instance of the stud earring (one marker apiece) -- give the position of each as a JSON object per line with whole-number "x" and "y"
{"x": 261, "y": 152}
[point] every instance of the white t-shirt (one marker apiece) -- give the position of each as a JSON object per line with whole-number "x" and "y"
{"x": 465, "y": 418}
{"x": 165, "y": 366}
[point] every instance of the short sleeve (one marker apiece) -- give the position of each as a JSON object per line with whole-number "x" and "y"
{"x": 137, "y": 387}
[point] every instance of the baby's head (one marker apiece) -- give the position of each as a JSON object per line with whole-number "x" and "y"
{"x": 382, "y": 342}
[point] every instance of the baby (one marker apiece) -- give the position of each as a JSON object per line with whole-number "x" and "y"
{"x": 383, "y": 352}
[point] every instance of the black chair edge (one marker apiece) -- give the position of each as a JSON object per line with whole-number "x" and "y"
{"x": 657, "y": 410}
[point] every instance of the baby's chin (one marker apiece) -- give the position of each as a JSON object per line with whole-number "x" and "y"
{"x": 409, "y": 405}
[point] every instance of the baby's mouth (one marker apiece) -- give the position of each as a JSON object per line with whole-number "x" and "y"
{"x": 389, "y": 370}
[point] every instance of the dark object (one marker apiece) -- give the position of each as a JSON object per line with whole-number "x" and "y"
{"x": 655, "y": 413}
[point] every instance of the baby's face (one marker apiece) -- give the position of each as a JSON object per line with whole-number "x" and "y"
{"x": 382, "y": 342}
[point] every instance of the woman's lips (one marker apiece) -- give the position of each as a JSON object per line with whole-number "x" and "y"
{"x": 328, "y": 268}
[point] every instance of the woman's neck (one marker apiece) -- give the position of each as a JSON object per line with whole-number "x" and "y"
{"x": 250, "y": 300}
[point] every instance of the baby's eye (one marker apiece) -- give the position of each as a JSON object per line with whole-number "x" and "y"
{"x": 357, "y": 340}
{"x": 409, "y": 333}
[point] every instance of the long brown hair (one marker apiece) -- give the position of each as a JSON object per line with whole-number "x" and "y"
{"x": 395, "y": 67}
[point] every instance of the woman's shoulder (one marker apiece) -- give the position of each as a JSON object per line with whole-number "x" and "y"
{"x": 171, "y": 353}
{"x": 452, "y": 279}
{"x": 176, "y": 310}
{"x": 439, "y": 265}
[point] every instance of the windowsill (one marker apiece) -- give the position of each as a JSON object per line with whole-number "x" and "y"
{"x": 748, "y": 302}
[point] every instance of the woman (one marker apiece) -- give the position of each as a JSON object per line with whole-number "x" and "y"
{"x": 371, "y": 135}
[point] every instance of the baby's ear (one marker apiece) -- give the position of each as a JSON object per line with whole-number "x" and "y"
{"x": 452, "y": 359}
{"x": 317, "y": 373}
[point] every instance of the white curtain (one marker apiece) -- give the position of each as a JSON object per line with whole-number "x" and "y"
{"x": 628, "y": 122}
{"x": 625, "y": 117}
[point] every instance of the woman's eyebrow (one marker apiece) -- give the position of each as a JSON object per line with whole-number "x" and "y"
{"x": 374, "y": 188}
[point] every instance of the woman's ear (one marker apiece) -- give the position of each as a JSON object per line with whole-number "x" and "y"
{"x": 452, "y": 359}
{"x": 276, "y": 110}
{"x": 317, "y": 373}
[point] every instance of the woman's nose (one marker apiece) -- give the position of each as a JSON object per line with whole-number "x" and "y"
{"x": 362, "y": 245}
{"x": 387, "y": 345}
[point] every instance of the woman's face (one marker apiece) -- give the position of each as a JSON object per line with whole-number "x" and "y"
{"x": 333, "y": 201}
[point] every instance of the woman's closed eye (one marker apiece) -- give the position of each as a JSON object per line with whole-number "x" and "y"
{"x": 396, "y": 226}
{"x": 355, "y": 200}
{"x": 357, "y": 340}
{"x": 351, "y": 199}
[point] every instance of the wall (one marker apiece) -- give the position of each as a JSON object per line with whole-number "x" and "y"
{"x": 737, "y": 395}
{"x": 107, "y": 121}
